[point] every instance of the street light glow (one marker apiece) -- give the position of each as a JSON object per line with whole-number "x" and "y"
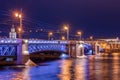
{"x": 66, "y": 28}
{"x": 63, "y": 37}
{"x": 16, "y": 14}
{"x": 19, "y": 15}
{"x": 79, "y": 33}
{"x": 50, "y": 33}
{"x": 19, "y": 29}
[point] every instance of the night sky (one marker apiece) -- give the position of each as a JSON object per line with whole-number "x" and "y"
{"x": 100, "y": 18}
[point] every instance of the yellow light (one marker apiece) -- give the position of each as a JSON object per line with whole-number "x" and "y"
{"x": 16, "y": 14}
{"x": 79, "y": 32}
{"x": 50, "y": 33}
{"x": 63, "y": 37}
{"x": 66, "y": 27}
{"x": 19, "y": 29}
{"x": 20, "y": 16}
{"x": 104, "y": 45}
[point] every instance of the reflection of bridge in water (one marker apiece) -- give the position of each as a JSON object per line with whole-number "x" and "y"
{"x": 16, "y": 49}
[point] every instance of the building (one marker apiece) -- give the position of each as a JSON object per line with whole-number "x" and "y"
{"x": 12, "y": 34}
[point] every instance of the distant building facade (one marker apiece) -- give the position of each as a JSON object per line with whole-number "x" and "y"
{"x": 12, "y": 34}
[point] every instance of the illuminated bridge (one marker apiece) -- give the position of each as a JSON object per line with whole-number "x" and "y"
{"x": 16, "y": 49}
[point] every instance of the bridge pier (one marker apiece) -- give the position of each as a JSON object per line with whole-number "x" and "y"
{"x": 80, "y": 49}
{"x": 19, "y": 52}
{"x": 72, "y": 50}
{"x": 22, "y": 52}
{"x": 97, "y": 48}
{"x": 76, "y": 49}
{"x": 25, "y": 52}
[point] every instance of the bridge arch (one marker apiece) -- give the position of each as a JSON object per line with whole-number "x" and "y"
{"x": 40, "y": 56}
{"x": 46, "y": 47}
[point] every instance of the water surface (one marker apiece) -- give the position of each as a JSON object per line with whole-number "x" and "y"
{"x": 105, "y": 67}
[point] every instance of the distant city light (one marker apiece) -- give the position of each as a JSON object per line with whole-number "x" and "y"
{"x": 63, "y": 37}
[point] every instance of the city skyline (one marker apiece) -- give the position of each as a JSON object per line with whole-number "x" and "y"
{"x": 97, "y": 18}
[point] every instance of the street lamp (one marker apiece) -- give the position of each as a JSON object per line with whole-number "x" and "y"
{"x": 49, "y": 35}
{"x": 19, "y": 15}
{"x": 91, "y": 37}
{"x": 66, "y": 27}
{"x": 79, "y": 34}
{"x": 63, "y": 37}
{"x": 19, "y": 29}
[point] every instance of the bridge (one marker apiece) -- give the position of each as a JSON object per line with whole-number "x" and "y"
{"x": 16, "y": 49}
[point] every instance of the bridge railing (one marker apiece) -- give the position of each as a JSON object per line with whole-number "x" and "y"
{"x": 48, "y": 41}
{"x": 8, "y": 40}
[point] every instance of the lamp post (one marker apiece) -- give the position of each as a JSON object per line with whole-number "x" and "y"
{"x": 49, "y": 35}
{"x": 66, "y": 27}
{"x": 79, "y": 34}
{"x": 19, "y": 15}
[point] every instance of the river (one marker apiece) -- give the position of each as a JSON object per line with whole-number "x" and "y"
{"x": 105, "y": 67}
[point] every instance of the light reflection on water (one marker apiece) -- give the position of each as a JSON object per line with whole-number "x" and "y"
{"x": 106, "y": 67}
